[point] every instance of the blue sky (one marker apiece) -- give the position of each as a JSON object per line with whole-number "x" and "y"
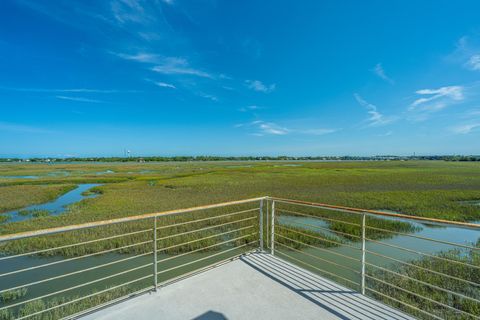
{"x": 173, "y": 77}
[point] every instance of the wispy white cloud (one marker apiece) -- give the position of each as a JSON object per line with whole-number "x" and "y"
{"x": 272, "y": 128}
{"x": 20, "y": 128}
{"x": 386, "y": 134}
{"x": 467, "y": 53}
{"x": 474, "y": 62}
{"x": 465, "y": 128}
{"x": 167, "y": 65}
{"x": 130, "y": 11}
{"x": 144, "y": 57}
{"x": 263, "y": 128}
{"x": 165, "y": 85}
{"x": 208, "y": 96}
{"x": 380, "y": 72}
{"x": 175, "y": 65}
{"x": 473, "y": 113}
{"x": 375, "y": 117}
{"x": 249, "y": 108}
{"x": 72, "y": 90}
{"x": 79, "y": 99}
{"x": 432, "y": 100}
{"x": 318, "y": 131}
{"x": 259, "y": 86}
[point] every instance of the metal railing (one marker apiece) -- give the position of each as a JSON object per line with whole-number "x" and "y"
{"x": 429, "y": 268}
{"x": 398, "y": 259}
{"x": 69, "y": 271}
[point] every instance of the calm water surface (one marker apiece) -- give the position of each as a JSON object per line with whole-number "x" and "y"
{"x": 56, "y": 206}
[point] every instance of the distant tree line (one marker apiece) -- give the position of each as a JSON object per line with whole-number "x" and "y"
{"x": 462, "y": 158}
{"x": 245, "y": 158}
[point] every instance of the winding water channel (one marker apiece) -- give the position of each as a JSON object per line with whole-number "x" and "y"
{"x": 55, "y": 207}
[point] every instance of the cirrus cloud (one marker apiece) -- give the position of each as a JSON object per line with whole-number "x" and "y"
{"x": 465, "y": 128}
{"x": 263, "y": 128}
{"x": 438, "y": 99}
{"x": 180, "y": 66}
{"x": 259, "y": 86}
{"x": 375, "y": 117}
{"x": 380, "y": 72}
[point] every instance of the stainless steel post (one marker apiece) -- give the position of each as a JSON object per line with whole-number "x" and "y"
{"x": 261, "y": 225}
{"x": 268, "y": 221}
{"x": 363, "y": 254}
{"x": 272, "y": 234}
{"x": 155, "y": 262}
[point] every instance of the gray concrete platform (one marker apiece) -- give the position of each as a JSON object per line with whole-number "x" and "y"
{"x": 255, "y": 286}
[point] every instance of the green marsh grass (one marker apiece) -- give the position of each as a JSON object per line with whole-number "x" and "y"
{"x": 426, "y": 188}
{"x": 13, "y": 295}
{"x": 457, "y": 270}
{"x": 18, "y": 196}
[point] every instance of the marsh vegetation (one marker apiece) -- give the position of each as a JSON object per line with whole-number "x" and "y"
{"x": 431, "y": 189}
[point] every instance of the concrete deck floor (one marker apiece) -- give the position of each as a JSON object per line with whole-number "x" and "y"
{"x": 256, "y": 286}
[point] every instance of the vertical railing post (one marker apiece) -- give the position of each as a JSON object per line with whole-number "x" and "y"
{"x": 267, "y": 220}
{"x": 363, "y": 254}
{"x": 155, "y": 262}
{"x": 272, "y": 234}
{"x": 261, "y": 225}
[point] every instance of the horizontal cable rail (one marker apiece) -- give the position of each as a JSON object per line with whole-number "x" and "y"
{"x": 72, "y": 259}
{"x": 86, "y": 297}
{"x": 327, "y": 229}
{"x": 424, "y": 283}
{"x": 424, "y": 238}
{"x": 424, "y": 254}
{"x": 319, "y": 217}
{"x": 76, "y": 272}
{"x": 375, "y": 212}
{"x": 79, "y": 286}
{"x": 404, "y": 303}
{"x": 88, "y": 225}
{"x": 422, "y": 297}
{"x": 74, "y": 244}
{"x": 318, "y": 248}
{"x": 316, "y": 268}
{"x": 204, "y": 258}
{"x": 422, "y": 268}
{"x": 203, "y": 248}
{"x": 205, "y": 238}
{"x": 206, "y": 228}
{"x": 321, "y": 259}
{"x": 207, "y": 219}
{"x": 320, "y": 238}
{"x": 196, "y": 271}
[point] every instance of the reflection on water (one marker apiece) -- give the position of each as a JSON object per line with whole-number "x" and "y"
{"x": 18, "y": 177}
{"x": 471, "y": 202}
{"x": 54, "y": 207}
{"x": 104, "y": 172}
